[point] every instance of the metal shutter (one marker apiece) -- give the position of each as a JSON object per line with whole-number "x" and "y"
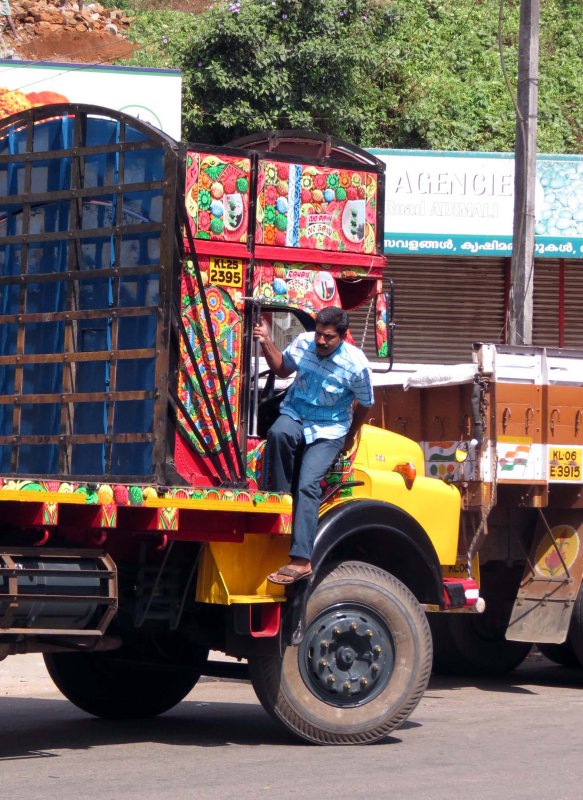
{"x": 548, "y": 317}
{"x": 442, "y": 306}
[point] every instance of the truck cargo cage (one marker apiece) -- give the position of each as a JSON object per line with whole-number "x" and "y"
{"x": 89, "y": 264}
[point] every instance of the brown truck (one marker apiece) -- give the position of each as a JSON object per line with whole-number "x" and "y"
{"x": 507, "y": 430}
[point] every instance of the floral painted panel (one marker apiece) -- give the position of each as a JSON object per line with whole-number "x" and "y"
{"x": 217, "y": 196}
{"x": 314, "y": 207}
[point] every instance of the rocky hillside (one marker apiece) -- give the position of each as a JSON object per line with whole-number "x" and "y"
{"x": 63, "y": 30}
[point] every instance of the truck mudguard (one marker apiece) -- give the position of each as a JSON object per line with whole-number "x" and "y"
{"x": 360, "y": 519}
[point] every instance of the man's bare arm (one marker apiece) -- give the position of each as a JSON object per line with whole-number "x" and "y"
{"x": 272, "y": 353}
{"x": 359, "y": 417}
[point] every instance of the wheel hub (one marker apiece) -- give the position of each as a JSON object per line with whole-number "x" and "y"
{"x": 347, "y": 656}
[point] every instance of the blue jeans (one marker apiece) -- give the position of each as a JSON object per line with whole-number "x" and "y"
{"x": 298, "y": 468}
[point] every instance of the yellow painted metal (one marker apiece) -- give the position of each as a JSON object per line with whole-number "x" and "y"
{"x": 460, "y": 568}
{"x": 237, "y": 573}
{"x": 284, "y": 506}
{"x": 435, "y": 504}
{"x": 73, "y": 498}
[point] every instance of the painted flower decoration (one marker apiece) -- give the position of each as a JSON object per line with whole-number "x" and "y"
{"x": 270, "y": 173}
{"x": 230, "y": 185}
{"x": 204, "y": 199}
{"x": 320, "y": 181}
{"x": 217, "y": 190}
{"x": 204, "y": 219}
{"x": 270, "y": 195}
{"x": 217, "y": 208}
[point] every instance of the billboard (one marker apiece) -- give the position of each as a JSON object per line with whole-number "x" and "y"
{"x": 152, "y": 95}
{"x": 451, "y": 203}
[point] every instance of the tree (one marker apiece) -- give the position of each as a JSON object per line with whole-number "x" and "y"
{"x": 286, "y": 63}
{"x": 388, "y": 73}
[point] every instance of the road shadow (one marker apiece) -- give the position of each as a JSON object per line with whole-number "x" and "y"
{"x": 536, "y": 671}
{"x": 40, "y": 728}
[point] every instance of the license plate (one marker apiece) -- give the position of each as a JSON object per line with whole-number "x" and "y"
{"x": 226, "y": 272}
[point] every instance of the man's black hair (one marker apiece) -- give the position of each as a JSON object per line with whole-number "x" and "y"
{"x": 334, "y": 316}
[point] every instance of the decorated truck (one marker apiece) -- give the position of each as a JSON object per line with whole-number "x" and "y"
{"x": 137, "y": 526}
{"x": 507, "y": 431}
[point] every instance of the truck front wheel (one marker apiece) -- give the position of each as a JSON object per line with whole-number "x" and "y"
{"x": 118, "y": 684}
{"x": 362, "y": 667}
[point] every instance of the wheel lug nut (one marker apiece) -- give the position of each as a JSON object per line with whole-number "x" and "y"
{"x": 336, "y": 631}
{"x": 374, "y": 669}
{"x": 323, "y": 663}
{"x": 369, "y": 634}
{"x": 324, "y": 645}
{"x": 353, "y": 626}
{"x": 364, "y": 682}
{"x": 377, "y": 650}
{"x": 347, "y": 685}
{"x": 331, "y": 679}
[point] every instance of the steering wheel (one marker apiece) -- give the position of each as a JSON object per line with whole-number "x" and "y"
{"x": 268, "y": 402}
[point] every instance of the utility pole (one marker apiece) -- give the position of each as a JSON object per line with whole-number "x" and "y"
{"x": 522, "y": 267}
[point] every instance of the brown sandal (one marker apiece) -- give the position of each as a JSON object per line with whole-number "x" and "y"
{"x": 288, "y": 572}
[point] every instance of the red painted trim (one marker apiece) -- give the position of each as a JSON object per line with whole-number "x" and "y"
{"x": 204, "y": 247}
{"x": 561, "y": 302}
{"x": 375, "y": 264}
{"x": 268, "y": 253}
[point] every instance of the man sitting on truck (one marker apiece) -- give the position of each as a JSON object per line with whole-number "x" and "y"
{"x": 320, "y": 417}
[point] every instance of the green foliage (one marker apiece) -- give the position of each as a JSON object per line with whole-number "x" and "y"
{"x": 388, "y": 73}
{"x": 287, "y": 63}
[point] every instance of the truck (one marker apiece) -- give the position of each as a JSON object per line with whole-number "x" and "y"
{"x": 507, "y": 430}
{"x": 137, "y": 526}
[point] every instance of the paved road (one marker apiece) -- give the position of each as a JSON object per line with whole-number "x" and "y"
{"x": 520, "y": 738}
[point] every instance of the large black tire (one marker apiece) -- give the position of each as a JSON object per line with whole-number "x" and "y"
{"x": 575, "y": 635}
{"x": 562, "y": 654}
{"x": 468, "y": 644}
{"x": 475, "y": 644}
{"x": 118, "y": 684}
{"x": 362, "y": 667}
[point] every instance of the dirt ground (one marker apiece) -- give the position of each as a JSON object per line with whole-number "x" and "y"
{"x": 91, "y": 47}
{"x": 88, "y": 47}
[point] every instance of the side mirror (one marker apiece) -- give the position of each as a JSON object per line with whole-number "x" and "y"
{"x": 384, "y": 307}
